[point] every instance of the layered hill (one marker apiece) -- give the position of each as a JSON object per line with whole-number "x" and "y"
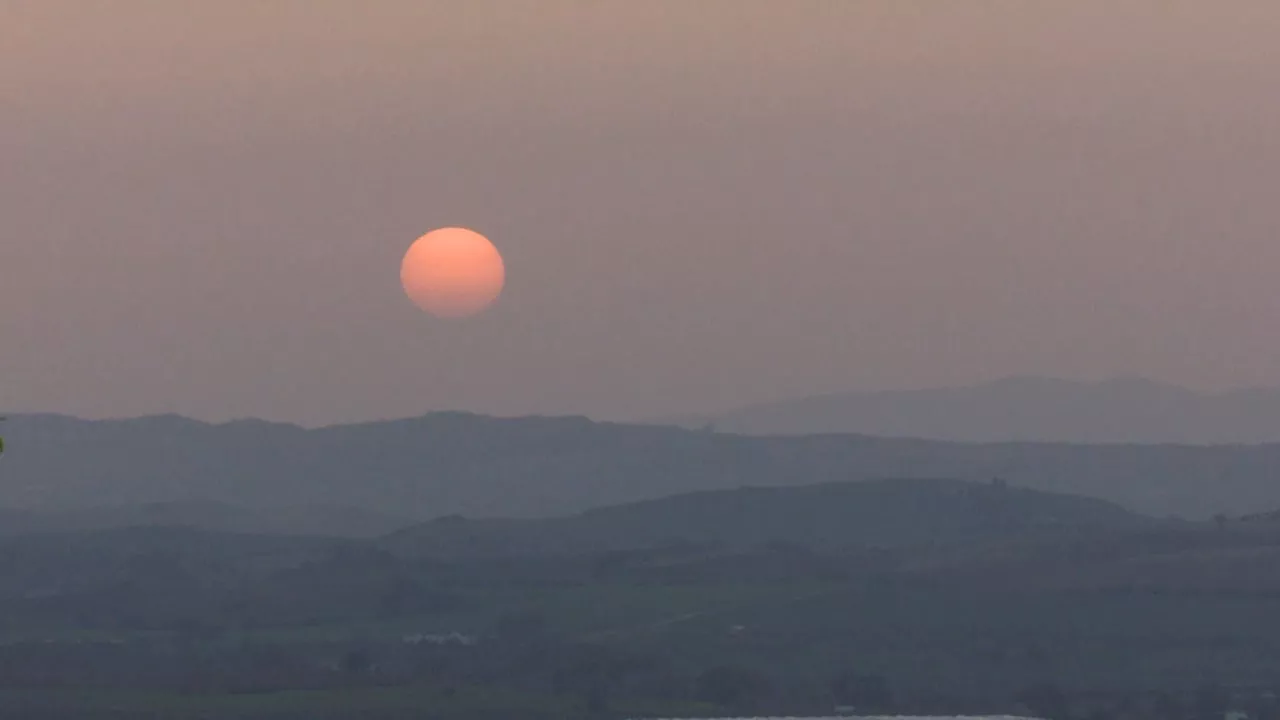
{"x": 1022, "y": 409}
{"x": 453, "y": 463}
{"x": 923, "y": 576}
{"x": 834, "y": 517}
{"x": 962, "y": 534}
{"x": 300, "y": 520}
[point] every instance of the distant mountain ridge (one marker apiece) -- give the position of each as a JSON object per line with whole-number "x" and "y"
{"x": 1023, "y": 409}
{"x": 478, "y": 466}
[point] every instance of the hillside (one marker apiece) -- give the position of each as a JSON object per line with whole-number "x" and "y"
{"x": 453, "y": 463}
{"x": 1011, "y": 585}
{"x": 1026, "y": 409}
{"x": 826, "y": 517}
{"x": 319, "y": 520}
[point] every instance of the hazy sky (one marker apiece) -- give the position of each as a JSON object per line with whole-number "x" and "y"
{"x": 702, "y": 204}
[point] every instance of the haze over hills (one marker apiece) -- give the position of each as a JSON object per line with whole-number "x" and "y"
{"x": 924, "y": 575}
{"x": 954, "y": 531}
{"x": 301, "y": 520}
{"x": 477, "y": 466}
{"x": 1028, "y": 409}
{"x": 826, "y": 517}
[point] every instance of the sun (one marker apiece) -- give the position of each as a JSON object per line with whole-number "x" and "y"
{"x": 453, "y": 272}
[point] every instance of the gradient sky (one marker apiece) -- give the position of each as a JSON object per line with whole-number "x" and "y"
{"x": 203, "y": 205}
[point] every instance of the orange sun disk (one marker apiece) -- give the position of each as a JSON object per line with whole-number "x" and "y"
{"x": 452, "y": 272}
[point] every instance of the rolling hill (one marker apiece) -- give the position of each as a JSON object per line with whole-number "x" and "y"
{"x": 453, "y": 463}
{"x": 827, "y": 517}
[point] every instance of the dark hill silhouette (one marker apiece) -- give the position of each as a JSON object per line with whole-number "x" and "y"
{"x": 1023, "y": 409}
{"x": 454, "y": 463}
{"x": 953, "y": 533}
{"x": 827, "y": 517}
